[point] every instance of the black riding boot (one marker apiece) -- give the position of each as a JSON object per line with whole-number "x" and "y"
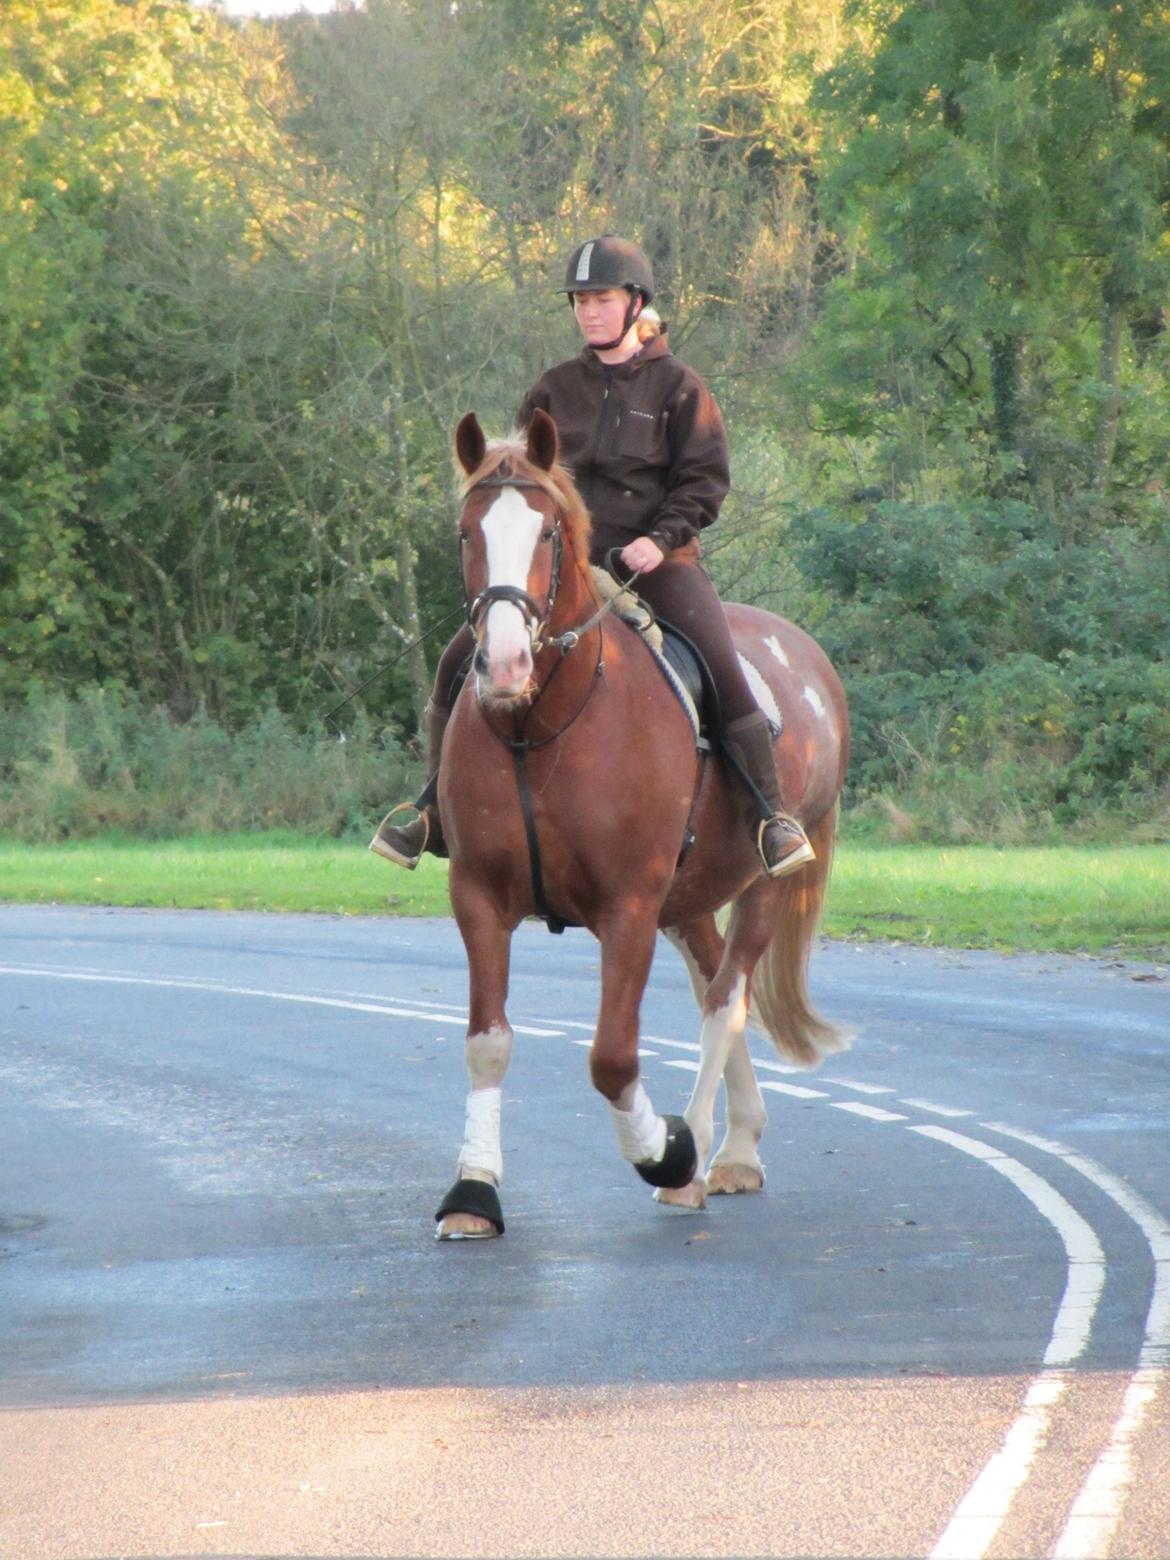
{"x": 404, "y": 843}
{"x": 780, "y": 840}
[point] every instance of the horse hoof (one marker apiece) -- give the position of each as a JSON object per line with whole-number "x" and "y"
{"x": 726, "y": 1180}
{"x": 466, "y": 1226}
{"x": 470, "y": 1211}
{"x": 691, "y": 1198}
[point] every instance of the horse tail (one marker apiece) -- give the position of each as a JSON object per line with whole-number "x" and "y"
{"x": 780, "y": 995}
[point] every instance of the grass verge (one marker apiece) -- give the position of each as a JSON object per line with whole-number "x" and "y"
{"x": 1058, "y": 899}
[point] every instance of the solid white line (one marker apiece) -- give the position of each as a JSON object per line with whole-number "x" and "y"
{"x": 670, "y": 1061}
{"x": 870, "y": 1112}
{"x": 385, "y": 1008}
{"x": 981, "y": 1512}
{"x": 1097, "y": 1508}
{"x": 798, "y": 1091}
{"x": 933, "y": 1109}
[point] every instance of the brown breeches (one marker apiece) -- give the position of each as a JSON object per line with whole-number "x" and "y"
{"x": 680, "y": 592}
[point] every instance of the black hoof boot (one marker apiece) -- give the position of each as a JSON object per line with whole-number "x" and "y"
{"x": 679, "y": 1163}
{"x": 475, "y": 1197}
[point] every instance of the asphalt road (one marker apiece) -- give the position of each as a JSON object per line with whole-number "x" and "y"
{"x": 226, "y": 1329}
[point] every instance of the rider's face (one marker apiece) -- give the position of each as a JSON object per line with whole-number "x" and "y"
{"x": 601, "y": 315}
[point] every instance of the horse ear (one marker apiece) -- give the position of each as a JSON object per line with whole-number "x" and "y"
{"x": 470, "y": 444}
{"x": 543, "y": 442}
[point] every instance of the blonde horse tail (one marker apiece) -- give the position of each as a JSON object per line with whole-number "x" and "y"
{"x": 780, "y": 996}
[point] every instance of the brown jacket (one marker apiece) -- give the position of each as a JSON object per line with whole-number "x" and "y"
{"x": 645, "y": 443}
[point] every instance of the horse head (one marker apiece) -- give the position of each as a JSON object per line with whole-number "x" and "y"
{"x": 520, "y": 514}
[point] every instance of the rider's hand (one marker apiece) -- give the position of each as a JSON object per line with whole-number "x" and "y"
{"x": 642, "y": 554}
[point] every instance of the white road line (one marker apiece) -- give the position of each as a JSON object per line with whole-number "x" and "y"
{"x": 981, "y": 1512}
{"x": 798, "y": 1091}
{"x": 870, "y": 1112}
{"x": 1097, "y": 1508}
{"x": 671, "y": 1061}
{"x": 864, "y": 1088}
{"x": 932, "y": 1109}
{"x": 385, "y": 1008}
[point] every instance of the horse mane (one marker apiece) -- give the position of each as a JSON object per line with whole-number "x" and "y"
{"x": 557, "y": 482}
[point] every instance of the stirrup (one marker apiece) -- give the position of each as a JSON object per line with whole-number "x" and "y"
{"x": 800, "y": 854}
{"x": 395, "y": 844}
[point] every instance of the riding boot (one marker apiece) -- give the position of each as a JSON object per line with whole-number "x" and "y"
{"x": 780, "y": 840}
{"x": 404, "y": 843}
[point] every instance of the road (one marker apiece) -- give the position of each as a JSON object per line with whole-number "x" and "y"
{"x": 226, "y": 1329}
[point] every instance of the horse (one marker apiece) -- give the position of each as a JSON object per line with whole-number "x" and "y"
{"x": 571, "y": 786}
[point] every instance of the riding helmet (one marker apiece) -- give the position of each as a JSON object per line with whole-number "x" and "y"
{"x": 608, "y": 261}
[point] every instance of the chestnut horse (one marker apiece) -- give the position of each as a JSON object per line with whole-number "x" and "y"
{"x": 570, "y": 779}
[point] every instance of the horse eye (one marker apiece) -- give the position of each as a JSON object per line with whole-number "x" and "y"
{"x": 464, "y": 538}
{"x": 547, "y": 534}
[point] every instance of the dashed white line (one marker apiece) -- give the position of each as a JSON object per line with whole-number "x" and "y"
{"x": 796, "y": 1090}
{"x": 870, "y": 1112}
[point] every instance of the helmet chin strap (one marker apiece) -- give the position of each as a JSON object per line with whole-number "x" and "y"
{"x": 632, "y": 313}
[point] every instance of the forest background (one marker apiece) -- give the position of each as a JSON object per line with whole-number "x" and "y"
{"x": 251, "y": 273}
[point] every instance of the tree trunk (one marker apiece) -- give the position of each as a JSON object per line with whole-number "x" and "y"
{"x": 1109, "y": 376}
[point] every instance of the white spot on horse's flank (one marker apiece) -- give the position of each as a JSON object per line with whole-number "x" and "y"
{"x": 761, "y": 692}
{"x": 814, "y": 701}
{"x": 777, "y": 649}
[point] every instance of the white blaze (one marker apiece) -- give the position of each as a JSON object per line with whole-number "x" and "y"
{"x": 510, "y": 530}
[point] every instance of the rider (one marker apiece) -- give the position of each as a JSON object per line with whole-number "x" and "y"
{"x": 643, "y": 437}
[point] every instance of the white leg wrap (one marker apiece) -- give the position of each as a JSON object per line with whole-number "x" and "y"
{"x": 481, "y": 1134}
{"x": 641, "y": 1134}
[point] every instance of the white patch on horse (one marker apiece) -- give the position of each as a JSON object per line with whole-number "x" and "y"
{"x": 777, "y": 649}
{"x": 510, "y": 530}
{"x": 814, "y": 701}
{"x": 761, "y": 692}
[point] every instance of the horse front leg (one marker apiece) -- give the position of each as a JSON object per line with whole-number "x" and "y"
{"x": 471, "y": 1210}
{"x": 660, "y": 1148}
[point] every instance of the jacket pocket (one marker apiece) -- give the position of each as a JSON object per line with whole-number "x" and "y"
{"x": 640, "y": 436}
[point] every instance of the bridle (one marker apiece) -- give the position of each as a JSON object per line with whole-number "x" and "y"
{"x": 536, "y": 617}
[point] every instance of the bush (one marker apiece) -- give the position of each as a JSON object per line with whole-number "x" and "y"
{"x": 103, "y": 760}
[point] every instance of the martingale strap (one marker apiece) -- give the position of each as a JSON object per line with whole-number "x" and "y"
{"x": 551, "y": 919}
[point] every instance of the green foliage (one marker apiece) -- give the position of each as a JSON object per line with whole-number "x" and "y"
{"x": 75, "y": 768}
{"x": 251, "y": 275}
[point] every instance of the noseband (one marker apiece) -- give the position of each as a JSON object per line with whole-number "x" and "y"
{"x": 536, "y": 618}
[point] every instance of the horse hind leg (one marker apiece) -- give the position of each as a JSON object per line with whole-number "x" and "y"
{"x": 737, "y": 1166}
{"x": 723, "y": 1053}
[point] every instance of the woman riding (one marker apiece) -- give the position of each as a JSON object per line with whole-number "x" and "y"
{"x": 643, "y": 437}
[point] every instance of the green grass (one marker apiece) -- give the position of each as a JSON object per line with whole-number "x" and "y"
{"x": 1060, "y": 898}
{"x": 1066, "y": 899}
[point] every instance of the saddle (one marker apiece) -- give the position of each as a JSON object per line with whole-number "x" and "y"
{"x": 677, "y": 658}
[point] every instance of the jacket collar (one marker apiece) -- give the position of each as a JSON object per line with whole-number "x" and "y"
{"x": 656, "y": 347}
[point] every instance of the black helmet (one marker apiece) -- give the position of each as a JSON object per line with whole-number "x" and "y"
{"x": 608, "y": 261}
